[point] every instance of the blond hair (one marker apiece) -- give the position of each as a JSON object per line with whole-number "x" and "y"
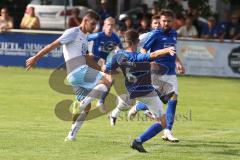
{"x": 110, "y": 19}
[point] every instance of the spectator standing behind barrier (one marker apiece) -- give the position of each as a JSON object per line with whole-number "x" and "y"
{"x": 6, "y": 21}
{"x": 188, "y": 30}
{"x": 233, "y": 32}
{"x": 104, "y": 11}
{"x": 211, "y": 30}
{"x": 143, "y": 13}
{"x": 155, "y": 8}
{"x": 30, "y": 20}
{"x": 176, "y": 6}
{"x": 226, "y": 22}
{"x": 127, "y": 25}
{"x": 75, "y": 20}
{"x": 198, "y": 21}
{"x": 178, "y": 22}
{"x": 144, "y": 26}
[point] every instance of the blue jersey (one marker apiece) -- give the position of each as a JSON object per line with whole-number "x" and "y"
{"x": 136, "y": 69}
{"x": 103, "y": 44}
{"x": 158, "y": 39}
{"x": 214, "y": 32}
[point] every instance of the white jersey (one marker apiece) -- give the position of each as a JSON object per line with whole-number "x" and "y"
{"x": 74, "y": 43}
{"x": 143, "y": 37}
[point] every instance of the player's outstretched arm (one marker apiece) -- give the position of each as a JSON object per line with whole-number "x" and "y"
{"x": 162, "y": 52}
{"x": 32, "y": 60}
{"x": 179, "y": 66}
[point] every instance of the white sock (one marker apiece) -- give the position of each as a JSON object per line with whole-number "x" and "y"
{"x": 77, "y": 125}
{"x": 97, "y": 92}
{"x": 116, "y": 112}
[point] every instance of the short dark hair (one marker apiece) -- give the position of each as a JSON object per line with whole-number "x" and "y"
{"x": 167, "y": 12}
{"x": 131, "y": 37}
{"x": 155, "y": 17}
{"x": 92, "y": 15}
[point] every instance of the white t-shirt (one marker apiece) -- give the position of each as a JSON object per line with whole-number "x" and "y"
{"x": 143, "y": 37}
{"x": 184, "y": 32}
{"x": 74, "y": 43}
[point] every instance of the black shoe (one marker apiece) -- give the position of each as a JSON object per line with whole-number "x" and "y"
{"x": 112, "y": 120}
{"x": 138, "y": 146}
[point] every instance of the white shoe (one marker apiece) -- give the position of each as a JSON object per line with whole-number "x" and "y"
{"x": 69, "y": 139}
{"x": 168, "y": 136}
{"x": 132, "y": 113}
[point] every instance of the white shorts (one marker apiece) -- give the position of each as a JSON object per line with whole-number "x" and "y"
{"x": 85, "y": 77}
{"x": 165, "y": 83}
{"x": 152, "y": 101}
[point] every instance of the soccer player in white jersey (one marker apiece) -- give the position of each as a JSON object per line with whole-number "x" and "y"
{"x": 78, "y": 64}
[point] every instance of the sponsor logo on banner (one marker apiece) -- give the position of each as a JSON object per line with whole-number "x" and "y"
{"x": 234, "y": 60}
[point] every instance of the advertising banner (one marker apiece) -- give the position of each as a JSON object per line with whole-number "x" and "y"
{"x": 15, "y": 48}
{"x": 210, "y": 58}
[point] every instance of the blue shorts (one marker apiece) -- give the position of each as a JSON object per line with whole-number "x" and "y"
{"x": 85, "y": 77}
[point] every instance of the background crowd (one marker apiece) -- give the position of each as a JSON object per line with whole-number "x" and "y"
{"x": 188, "y": 22}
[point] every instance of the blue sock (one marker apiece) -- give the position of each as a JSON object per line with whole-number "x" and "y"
{"x": 170, "y": 114}
{"x": 150, "y": 132}
{"x": 104, "y": 95}
{"x": 141, "y": 106}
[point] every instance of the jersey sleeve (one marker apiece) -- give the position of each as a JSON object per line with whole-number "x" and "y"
{"x": 68, "y": 36}
{"x": 149, "y": 41}
{"x": 92, "y": 37}
{"x": 113, "y": 64}
{"x": 143, "y": 57}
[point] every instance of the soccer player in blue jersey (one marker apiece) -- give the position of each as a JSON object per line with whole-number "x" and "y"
{"x": 101, "y": 44}
{"x": 155, "y": 23}
{"x": 136, "y": 69}
{"x": 80, "y": 73}
{"x": 159, "y": 39}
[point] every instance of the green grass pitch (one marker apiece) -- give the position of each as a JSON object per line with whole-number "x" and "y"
{"x": 207, "y": 123}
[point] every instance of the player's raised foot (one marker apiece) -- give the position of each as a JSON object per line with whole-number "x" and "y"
{"x": 132, "y": 113}
{"x": 69, "y": 139}
{"x": 168, "y": 136}
{"x": 112, "y": 120}
{"x": 137, "y": 146}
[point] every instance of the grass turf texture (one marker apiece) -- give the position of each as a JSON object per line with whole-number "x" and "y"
{"x": 207, "y": 123}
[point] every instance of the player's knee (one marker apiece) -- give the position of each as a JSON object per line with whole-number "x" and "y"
{"x": 107, "y": 80}
{"x": 102, "y": 87}
{"x": 174, "y": 97}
